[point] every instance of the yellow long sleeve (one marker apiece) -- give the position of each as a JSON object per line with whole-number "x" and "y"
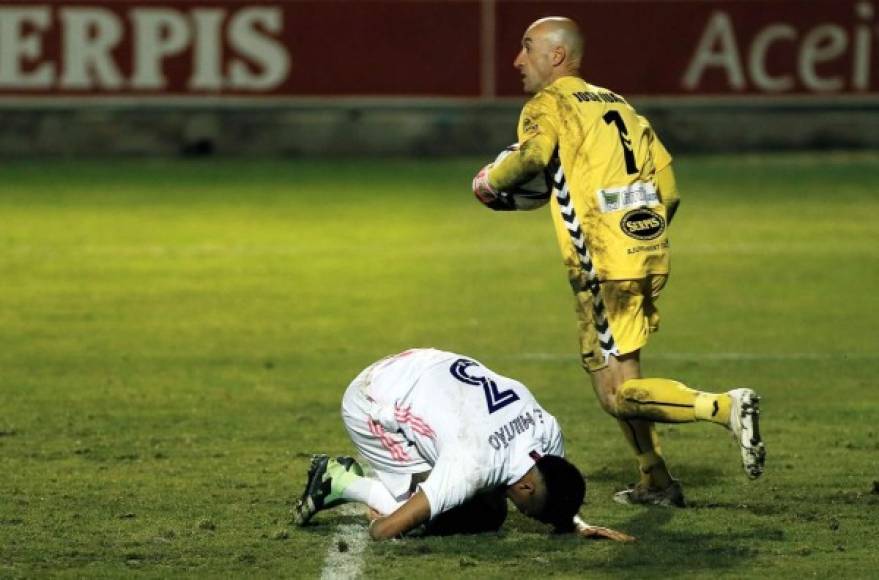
{"x": 668, "y": 190}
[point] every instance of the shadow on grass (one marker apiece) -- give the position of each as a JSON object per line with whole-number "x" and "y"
{"x": 664, "y": 549}
{"x": 524, "y": 543}
{"x": 622, "y": 473}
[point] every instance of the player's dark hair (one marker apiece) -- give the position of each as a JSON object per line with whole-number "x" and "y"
{"x": 565, "y": 490}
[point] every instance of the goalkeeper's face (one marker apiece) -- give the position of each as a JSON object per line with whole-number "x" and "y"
{"x": 535, "y": 61}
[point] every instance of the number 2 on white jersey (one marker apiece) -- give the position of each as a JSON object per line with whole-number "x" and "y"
{"x": 494, "y": 397}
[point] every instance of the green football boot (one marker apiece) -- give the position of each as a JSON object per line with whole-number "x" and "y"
{"x": 327, "y": 479}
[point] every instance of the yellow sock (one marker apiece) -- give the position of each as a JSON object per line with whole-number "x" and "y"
{"x": 654, "y": 437}
{"x": 712, "y": 407}
{"x": 668, "y": 401}
{"x": 644, "y": 441}
{"x": 654, "y": 471}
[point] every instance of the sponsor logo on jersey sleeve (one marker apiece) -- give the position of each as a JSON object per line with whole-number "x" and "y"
{"x": 530, "y": 126}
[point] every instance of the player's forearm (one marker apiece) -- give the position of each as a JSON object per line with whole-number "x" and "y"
{"x": 382, "y": 529}
{"x": 668, "y": 191}
{"x": 671, "y": 209}
{"x": 415, "y": 511}
{"x": 531, "y": 158}
{"x": 388, "y": 527}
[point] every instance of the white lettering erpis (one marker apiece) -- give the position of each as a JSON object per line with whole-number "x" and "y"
{"x": 245, "y": 54}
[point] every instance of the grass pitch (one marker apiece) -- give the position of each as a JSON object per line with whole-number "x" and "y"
{"x": 176, "y": 337}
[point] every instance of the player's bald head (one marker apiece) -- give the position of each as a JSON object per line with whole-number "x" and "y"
{"x": 559, "y": 31}
{"x": 551, "y": 48}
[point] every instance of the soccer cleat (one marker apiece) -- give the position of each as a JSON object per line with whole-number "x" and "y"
{"x": 350, "y": 465}
{"x": 744, "y": 422}
{"x": 671, "y": 496}
{"x": 327, "y": 480}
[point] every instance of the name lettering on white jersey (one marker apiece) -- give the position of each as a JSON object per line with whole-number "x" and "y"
{"x": 505, "y": 435}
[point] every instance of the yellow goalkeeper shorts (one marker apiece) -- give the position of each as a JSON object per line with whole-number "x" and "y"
{"x": 620, "y": 321}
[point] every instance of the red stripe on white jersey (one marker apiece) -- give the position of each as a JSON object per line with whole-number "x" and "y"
{"x": 405, "y": 417}
{"x": 393, "y": 447}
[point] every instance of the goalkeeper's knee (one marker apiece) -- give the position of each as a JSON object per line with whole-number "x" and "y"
{"x": 628, "y": 400}
{"x": 662, "y": 400}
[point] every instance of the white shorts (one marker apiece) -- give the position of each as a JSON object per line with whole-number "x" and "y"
{"x": 394, "y": 472}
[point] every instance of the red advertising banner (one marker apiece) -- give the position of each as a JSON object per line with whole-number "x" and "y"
{"x": 713, "y": 47}
{"x": 427, "y": 48}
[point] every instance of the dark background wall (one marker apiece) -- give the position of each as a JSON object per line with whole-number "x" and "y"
{"x": 400, "y": 129}
{"x": 421, "y": 77}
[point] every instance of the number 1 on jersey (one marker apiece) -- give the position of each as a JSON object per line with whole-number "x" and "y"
{"x": 615, "y": 118}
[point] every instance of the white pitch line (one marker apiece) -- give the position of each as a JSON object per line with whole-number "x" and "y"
{"x": 344, "y": 558}
{"x": 716, "y": 356}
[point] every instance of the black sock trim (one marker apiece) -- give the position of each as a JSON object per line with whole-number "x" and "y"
{"x": 634, "y": 437}
{"x": 660, "y": 403}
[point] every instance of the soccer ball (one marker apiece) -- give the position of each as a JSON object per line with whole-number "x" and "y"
{"x": 529, "y": 195}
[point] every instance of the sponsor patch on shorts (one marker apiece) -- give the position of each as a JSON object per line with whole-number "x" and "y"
{"x": 642, "y": 224}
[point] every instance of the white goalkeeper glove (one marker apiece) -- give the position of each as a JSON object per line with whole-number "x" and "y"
{"x": 482, "y": 189}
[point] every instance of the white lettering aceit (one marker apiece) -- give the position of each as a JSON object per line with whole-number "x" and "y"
{"x": 829, "y": 57}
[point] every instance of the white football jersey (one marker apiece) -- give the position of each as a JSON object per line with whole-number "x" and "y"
{"x": 473, "y": 428}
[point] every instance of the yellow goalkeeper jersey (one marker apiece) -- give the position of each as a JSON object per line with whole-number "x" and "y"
{"x": 604, "y": 158}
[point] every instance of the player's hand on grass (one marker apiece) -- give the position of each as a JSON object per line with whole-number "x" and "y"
{"x": 482, "y": 189}
{"x": 371, "y": 514}
{"x": 585, "y": 530}
{"x": 599, "y": 533}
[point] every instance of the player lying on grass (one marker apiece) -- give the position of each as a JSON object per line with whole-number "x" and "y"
{"x": 449, "y": 440}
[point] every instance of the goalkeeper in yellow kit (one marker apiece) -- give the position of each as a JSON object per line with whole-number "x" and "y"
{"x": 614, "y": 197}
